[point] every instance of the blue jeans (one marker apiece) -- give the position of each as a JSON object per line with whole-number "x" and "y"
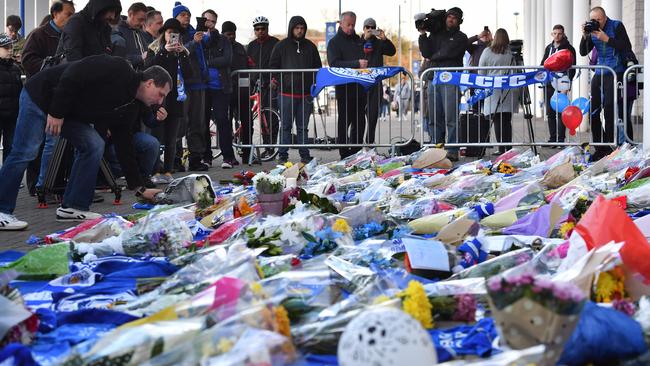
{"x": 48, "y": 150}
{"x": 147, "y": 151}
{"x": 300, "y": 110}
{"x": 30, "y": 128}
{"x": 443, "y": 113}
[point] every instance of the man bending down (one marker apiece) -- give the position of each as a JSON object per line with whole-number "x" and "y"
{"x": 100, "y": 90}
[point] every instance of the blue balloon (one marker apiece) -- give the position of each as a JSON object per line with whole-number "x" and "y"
{"x": 582, "y": 103}
{"x": 559, "y": 102}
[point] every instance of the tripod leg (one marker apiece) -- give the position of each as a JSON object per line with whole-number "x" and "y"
{"x": 52, "y": 171}
{"x": 110, "y": 179}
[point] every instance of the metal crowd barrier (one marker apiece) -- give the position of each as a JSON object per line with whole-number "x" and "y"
{"x": 632, "y": 83}
{"x": 339, "y": 117}
{"x": 473, "y": 128}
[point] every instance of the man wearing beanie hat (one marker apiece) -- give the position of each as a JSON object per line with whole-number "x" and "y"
{"x": 375, "y": 47}
{"x": 178, "y": 9}
{"x": 444, "y": 49}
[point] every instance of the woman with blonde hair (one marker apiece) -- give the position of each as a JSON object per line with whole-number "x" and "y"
{"x": 500, "y": 106}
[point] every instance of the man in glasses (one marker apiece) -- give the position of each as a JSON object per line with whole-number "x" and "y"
{"x": 375, "y": 47}
{"x": 259, "y": 54}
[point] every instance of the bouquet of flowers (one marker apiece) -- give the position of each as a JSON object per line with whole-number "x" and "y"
{"x": 267, "y": 184}
{"x": 534, "y": 310}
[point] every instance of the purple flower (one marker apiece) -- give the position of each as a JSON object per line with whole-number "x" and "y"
{"x": 624, "y": 306}
{"x": 494, "y": 283}
{"x": 562, "y": 293}
{"x": 543, "y": 283}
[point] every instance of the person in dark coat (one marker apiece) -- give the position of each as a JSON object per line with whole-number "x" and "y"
{"x": 88, "y": 32}
{"x": 556, "y": 129}
{"x": 134, "y": 36}
{"x": 375, "y": 47}
{"x": 218, "y": 58}
{"x": 66, "y": 99}
{"x": 346, "y": 50}
{"x": 296, "y": 103}
{"x": 174, "y": 58}
{"x": 10, "y": 87}
{"x": 259, "y": 53}
{"x": 240, "y": 108}
{"x": 43, "y": 41}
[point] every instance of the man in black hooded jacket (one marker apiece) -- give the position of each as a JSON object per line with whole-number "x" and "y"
{"x": 346, "y": 50}
{"x": 87, "y": 32}
{"x": 295, "y": 52}
{"x": 259, "y": 54}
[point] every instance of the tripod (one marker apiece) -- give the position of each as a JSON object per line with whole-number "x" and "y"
{"x": 525, "y": 103}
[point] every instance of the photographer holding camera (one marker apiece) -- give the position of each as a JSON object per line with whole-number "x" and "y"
{"x": 444, "y": 47}
{"x": 610, "y": 39}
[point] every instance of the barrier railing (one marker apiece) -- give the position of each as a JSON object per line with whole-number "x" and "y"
{"x": 632, "y": 83}
{"x": 515, "y": 117}
{"x": 346, "y": 117}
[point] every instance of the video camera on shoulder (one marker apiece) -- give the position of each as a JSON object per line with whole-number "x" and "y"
{"x": 592, "y": 25}
{"x": 432, "y": 22}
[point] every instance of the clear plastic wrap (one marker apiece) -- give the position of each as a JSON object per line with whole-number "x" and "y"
{"x": 496, "y": 265}
{"x": 189, "y": 189}
{"x": 377, "y": 190}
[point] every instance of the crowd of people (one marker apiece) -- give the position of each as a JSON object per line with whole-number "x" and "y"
{"x": 118, "y": 87}
{"x": 608, "y": 44}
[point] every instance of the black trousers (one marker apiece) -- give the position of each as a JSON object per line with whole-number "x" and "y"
{"x": 167, "y": 133}
{"x": 374, "y": 102}
{"x": 602, "y": 99}
{"x": 502, "y": 128}
{"x": 351, "y": 103}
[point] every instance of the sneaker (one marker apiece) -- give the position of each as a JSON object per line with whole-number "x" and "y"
{"x": 71, "y": 214}
{"x": 198, "y": 167}
{"x": 10, "y": 222}
{"x": 226, "y": 164}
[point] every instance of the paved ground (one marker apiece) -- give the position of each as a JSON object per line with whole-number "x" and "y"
{"x": 42, "y": 221}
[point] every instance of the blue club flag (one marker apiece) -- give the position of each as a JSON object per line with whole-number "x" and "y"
{"x": 329, "y": 76}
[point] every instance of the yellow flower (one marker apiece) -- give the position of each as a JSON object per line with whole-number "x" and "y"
{"x": 342, "y": 226}
{"x": 416, "y": 304}
{"x": 565, "y": 228}
{"x": 379, "y": 172}
{"x": 610, "y": 285}
{"x": 288, "y": 164}
{"x": 282, "y": 322}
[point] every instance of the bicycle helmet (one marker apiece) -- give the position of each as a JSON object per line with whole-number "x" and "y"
{"x": 260, "y": 20}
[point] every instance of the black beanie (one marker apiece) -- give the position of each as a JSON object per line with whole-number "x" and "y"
{"x": 228, "y": 26}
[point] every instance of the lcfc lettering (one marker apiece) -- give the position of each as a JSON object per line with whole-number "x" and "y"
{"x": 496, "y": 82}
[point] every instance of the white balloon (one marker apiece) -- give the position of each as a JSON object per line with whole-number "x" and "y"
{"x": 385, "y": 337}
{"x": 562, "y": 83}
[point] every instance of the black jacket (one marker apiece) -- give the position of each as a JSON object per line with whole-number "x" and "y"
{"x": 158, "y": 55}
{"x": 564, "y": 45}
{"x": 100, "y": 90}
{"x": 85, "y": 34}
{"x": 260, "y": 55}
{"x": 379, "y": 50}
{"x": 345, "y": 50}
{"x": 239, "y": 62}
{"x": 292, "y": 53}
{"x": 41, "y": 43}
{"x": 10, "y": 87}
{"x": 136, "y": 44}
{"x": 475, "y": 47}
{"x": 218, "y": 55}
{"x": 445, "y": 48}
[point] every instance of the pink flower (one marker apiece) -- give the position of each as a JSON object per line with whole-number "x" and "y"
{"x": 494, "y": 284}
{"x": 537, "y": 289}
{"x": 562, "y": 293}
{"x": 543, "y": 283}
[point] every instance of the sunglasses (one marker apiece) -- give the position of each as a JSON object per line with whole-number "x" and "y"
{"x": 369, "y": 27}
{"x": 259, "y": 29}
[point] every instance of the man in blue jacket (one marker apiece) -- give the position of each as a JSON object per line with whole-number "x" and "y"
{"x": 613, "y": 46}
